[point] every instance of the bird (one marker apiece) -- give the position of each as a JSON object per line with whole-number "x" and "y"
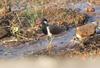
{"x": 51, "y": 29}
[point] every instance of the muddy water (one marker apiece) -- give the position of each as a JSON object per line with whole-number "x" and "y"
{"x": 31, "y": 48}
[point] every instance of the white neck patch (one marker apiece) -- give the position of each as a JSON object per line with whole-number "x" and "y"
{"x": 48, "y": 31}
{"x": 45, "y": 22}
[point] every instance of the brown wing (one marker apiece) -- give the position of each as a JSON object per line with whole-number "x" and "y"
{"x": 54, "y": 29}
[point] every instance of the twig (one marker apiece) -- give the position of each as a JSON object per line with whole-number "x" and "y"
{"x": 5, "y": 27}
{"x": 24, "y": 37}
{"x": 18, "y": 18}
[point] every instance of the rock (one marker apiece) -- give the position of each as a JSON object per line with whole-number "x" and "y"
{"x": 3, "y": 32}
{"x": 85, "y": 31}
{"x": 90, "y": 9}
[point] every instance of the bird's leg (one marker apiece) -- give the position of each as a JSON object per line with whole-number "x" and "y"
{"x": 50, "y": 38}
{"x": 49, "y": 33}
{"x": 50, "y": 46}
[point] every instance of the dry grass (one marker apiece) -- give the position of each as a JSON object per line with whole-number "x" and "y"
{"x": 22, "y": 19}
{"x": 24, "y": 14}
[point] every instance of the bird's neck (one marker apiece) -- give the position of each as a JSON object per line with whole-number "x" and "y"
{"x": 48, "y": 31}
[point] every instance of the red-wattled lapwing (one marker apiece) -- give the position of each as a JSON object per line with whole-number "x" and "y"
{"x": 50, "y": 29}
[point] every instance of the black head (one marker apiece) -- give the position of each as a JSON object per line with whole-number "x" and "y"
{"x": 44, "y": 22}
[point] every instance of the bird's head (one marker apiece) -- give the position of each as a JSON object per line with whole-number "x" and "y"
{"x": 44, "y": 22}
